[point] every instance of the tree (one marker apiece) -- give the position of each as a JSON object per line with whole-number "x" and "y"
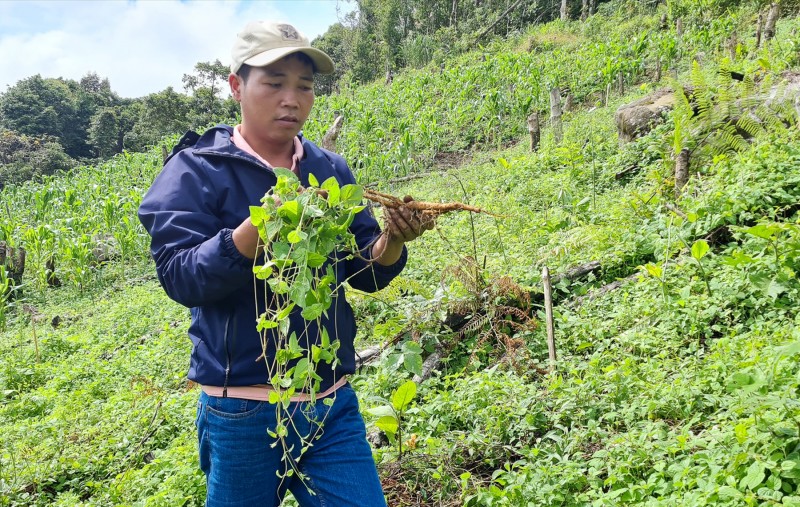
{"x": 206, "y": 84}
{"x": 103, "y": 132}
{"x": 23, "y": 157}
{"x": 158, "y": 114}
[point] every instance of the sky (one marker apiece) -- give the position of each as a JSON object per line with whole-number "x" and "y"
{"x": 141, "y": 46}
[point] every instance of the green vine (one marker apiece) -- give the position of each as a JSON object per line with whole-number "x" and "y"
{"x": 302, "y": 230}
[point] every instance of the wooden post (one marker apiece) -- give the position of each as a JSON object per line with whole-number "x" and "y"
{"x": 732, "y": 43}
{"x": 658, "y": 70}
{"x": 555, "y": 114}
{"x": 759, "y": 27}
{"x": 621, "y": 83}
{"x": 679, "y": 27}
{"x": 533, "y": 130}
{"x": 548, "y": 311}
{"x": 681, "y": 171}
{"x": 663, "y": 22}
{"x": 329, "y": 141}
{"x": 164, "y": 154}
{"x": 569, "y": 103}
{"x": 772, "y": 18}
{"x": 564, "y": 11}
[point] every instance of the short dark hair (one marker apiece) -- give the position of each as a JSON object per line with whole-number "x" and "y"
{"x": 244, "y": 70}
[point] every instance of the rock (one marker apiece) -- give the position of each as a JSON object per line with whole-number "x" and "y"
{"x": 377, "y": 438}
{"x": 638, "y": 118}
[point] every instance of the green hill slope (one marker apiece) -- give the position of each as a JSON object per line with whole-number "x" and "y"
{"x": 677, "y": 387}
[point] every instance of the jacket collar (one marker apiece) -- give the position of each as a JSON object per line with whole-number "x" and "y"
{"x": 216, "y": 141}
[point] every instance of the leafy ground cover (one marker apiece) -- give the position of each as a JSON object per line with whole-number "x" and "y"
{"x": 678, "y": 388}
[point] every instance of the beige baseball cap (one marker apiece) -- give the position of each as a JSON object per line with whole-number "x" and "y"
{"x": 264, "y": 42}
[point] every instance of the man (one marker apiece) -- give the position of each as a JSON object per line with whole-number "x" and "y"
{"x": 204, "y": 246}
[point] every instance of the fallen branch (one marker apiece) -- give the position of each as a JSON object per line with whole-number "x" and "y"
{"x": 604, "y": 289}
{"x": 577, "y": 272}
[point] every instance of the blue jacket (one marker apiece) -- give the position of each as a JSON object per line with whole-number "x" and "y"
{"x": 190, "y": 211}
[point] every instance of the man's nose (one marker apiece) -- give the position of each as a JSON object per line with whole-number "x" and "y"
{"x": 290, "y": 99}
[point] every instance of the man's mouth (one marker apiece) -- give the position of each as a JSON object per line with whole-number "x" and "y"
{"x": 288, "y": 119}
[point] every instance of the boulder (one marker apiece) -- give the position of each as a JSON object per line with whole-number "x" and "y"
{"x": 639, "y": 117}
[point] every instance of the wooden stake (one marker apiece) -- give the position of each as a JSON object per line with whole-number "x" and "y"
{"x": 533, "y": 130}
{"x": 555, "y": 114}
{"x": 548, "y": 311}
{"x": 759, "y": 27}
{"x": 681, "y": 171}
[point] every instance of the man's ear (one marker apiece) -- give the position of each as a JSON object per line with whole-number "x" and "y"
{"x": 236, "y": 84}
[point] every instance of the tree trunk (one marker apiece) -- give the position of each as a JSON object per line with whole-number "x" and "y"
{"x": 663, "y": 24}
{"x": 329, "y": 141}
{"x": 772, "y": 19}
{"x": 585, "y": 10}
{"x": 658, "y": 70}
{"x": 564, "y": 11}
{"x": 555, "y": 114}
{"x": 621, "y": 83}
{"x": 533, "y": 129}
{"x": 592, "y": 7}
{"x": 681, "y": 171}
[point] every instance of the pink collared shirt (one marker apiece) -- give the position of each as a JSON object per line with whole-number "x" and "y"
{"x": 240, "y": 142}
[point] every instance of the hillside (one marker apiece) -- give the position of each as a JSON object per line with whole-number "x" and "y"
{"x": 676, "y": 386}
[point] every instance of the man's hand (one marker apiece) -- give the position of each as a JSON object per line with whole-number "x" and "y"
{"x": 401, "y": 224}
{"x": 405, "y": 224}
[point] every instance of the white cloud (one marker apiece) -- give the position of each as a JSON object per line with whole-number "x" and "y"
{"x": 141, "y": 47}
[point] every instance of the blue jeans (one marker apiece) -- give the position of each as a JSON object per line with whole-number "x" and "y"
{"x": 242, "y": 466}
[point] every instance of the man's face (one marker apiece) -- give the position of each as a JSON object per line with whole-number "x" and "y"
{"x": 275, "y": 99}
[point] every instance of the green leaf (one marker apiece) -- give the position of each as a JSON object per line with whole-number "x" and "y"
{"x": 315, "y": 260}
{"x": 285, "y": 312}
{"x": 263, "y": 272}
{"x": 381, "y": 411}
{"x": 755, "y": 476}
{"x": 282, "y": 172}
{"x": 404, "y": 395}
{"x": 291, "y": 210}
{"x": 654, "y": 270}
{"x": 412, "y": 347}
{"x": 258, "y": 215}
{"x": 763, "y": 231}
{"x": 313, "y": 312}
{"x": 413, "y": 363}
{"x": 334, "y": 192}
{"x": 387, "y": 424}
{"x": 312, "y": 180}
{"x": 296, "y": 236}
{"x": 699, "y": 249}
{"x": 352, "y": 194}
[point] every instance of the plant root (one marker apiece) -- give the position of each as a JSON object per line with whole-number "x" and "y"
{"x": 430, "y": 209}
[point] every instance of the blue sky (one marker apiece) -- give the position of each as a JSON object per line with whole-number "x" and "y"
{"x": 141, "y": 46}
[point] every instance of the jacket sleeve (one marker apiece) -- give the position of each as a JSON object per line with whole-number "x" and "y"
{"x": 196, "y": 260}
{"x": 362, "y": 274}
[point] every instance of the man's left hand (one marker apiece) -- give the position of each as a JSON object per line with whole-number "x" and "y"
{"x": 406, "y": 224}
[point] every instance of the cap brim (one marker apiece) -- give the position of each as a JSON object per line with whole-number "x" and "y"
{"x": 322, "y": 62}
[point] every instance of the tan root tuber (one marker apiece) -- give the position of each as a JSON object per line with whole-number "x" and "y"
{"x": 429, "y": 209}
